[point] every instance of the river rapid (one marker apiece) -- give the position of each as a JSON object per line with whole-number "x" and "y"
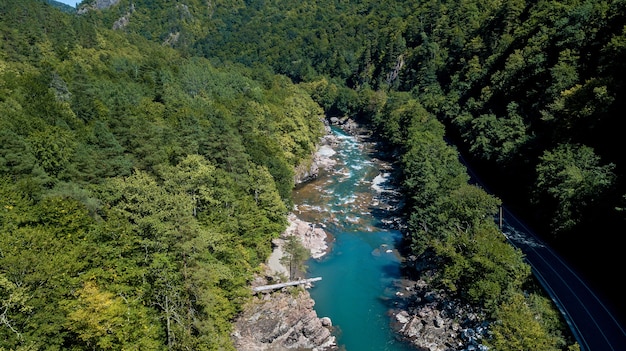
{"x": 354, "y": 201}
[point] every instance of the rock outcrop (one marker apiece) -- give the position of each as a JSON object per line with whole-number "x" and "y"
{"x": 312, "y": 236}
{"x": 122, "y": 22}
{"x": 347, "y": 124}
{"x": 96, "y": 5}
{"x": 320, "y": 160}
{"x": 432, "y": 321}
{"x": 283, "y": 320}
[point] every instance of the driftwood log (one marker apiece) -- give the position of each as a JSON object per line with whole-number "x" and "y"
{"x": 257, "y": 289}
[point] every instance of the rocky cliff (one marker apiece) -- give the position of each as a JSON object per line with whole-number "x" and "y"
{"x": 431, "y": 320}
{"x": 96, "y": 5}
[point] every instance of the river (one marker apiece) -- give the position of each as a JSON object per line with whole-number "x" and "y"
{"x": 362, "y": 270}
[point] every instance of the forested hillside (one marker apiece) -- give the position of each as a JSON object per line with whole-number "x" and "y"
{"x": 139, "y": 189}
{"x": 530, "y": 91}
{"x": 148, "y": 151}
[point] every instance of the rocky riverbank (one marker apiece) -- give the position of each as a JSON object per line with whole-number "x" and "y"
{"x": 421, "y": 315}
{"x": 285, "y": 319}
{"x": 425, "y": 317}
{"x": 433, "y": 321}
{"x": 322, "y": 159}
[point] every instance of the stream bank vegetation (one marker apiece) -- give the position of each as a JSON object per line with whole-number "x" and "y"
{"x": 452, "y": 232}
{"x": 145, "y": 170}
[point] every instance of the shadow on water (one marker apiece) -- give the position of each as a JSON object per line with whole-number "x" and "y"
{"x": 390, "y": 271}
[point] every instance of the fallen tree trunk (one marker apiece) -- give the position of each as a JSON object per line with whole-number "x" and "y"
{"x": 282, "y": 285}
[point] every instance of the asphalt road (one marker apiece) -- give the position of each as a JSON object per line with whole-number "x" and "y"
{"x": 593, "y": 324}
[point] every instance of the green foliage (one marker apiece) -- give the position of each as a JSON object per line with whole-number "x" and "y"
{"x": 53, "y": 149}
{"x": 452, "y": 223}
{"x": 167, "y": 172}
{"x": 569, "y": 180}
{"x": 14, "y": 301}
{"x": 16, "y": 158}
{"x": 140, "y": 187}
{"x": 468, "y": 207}
{"x": 431, "y": 170}
{"x": 104, "y": 321}
{"x": 520, "y": 328}
{"x": 481, "y": 266}
{"x": 498, "y": 139}
{"x": 43, "y": 251}
{"x": 295, "y": 255}
{"x": 511, "y": 80}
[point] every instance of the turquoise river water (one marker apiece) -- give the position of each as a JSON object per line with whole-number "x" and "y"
{"x": 362, "y": 268}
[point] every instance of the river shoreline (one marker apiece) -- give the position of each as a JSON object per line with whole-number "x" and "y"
{"x": 418, "y": 315}
{"x": 285, "y": 319}
{"x": 424, "y": 317}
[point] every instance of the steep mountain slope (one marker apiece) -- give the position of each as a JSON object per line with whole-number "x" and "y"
{"x": 148, "y": 149}
{"x": 139, "y": 189}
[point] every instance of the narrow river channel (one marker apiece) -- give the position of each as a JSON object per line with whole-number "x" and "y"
{"x": 361, "y": 271}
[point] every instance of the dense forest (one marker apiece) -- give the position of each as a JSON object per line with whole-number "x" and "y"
{"x": 530, "y": 91}
{"x": 148, "y": 152}
{"x": 140, "y": 188}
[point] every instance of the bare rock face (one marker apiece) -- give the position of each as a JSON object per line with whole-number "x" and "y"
{"x": 312, "y": 237}
{"x": 283, "y": 320}
{"x": 97, "y": 5}
{"x": 122, "y": 22}
{"x": 322, "y": 159}
{"x": 434, "y": 322}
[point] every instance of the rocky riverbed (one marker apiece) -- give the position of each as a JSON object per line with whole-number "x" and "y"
{"x": 425, "y": 317}
{"x": 285, "y": 319}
